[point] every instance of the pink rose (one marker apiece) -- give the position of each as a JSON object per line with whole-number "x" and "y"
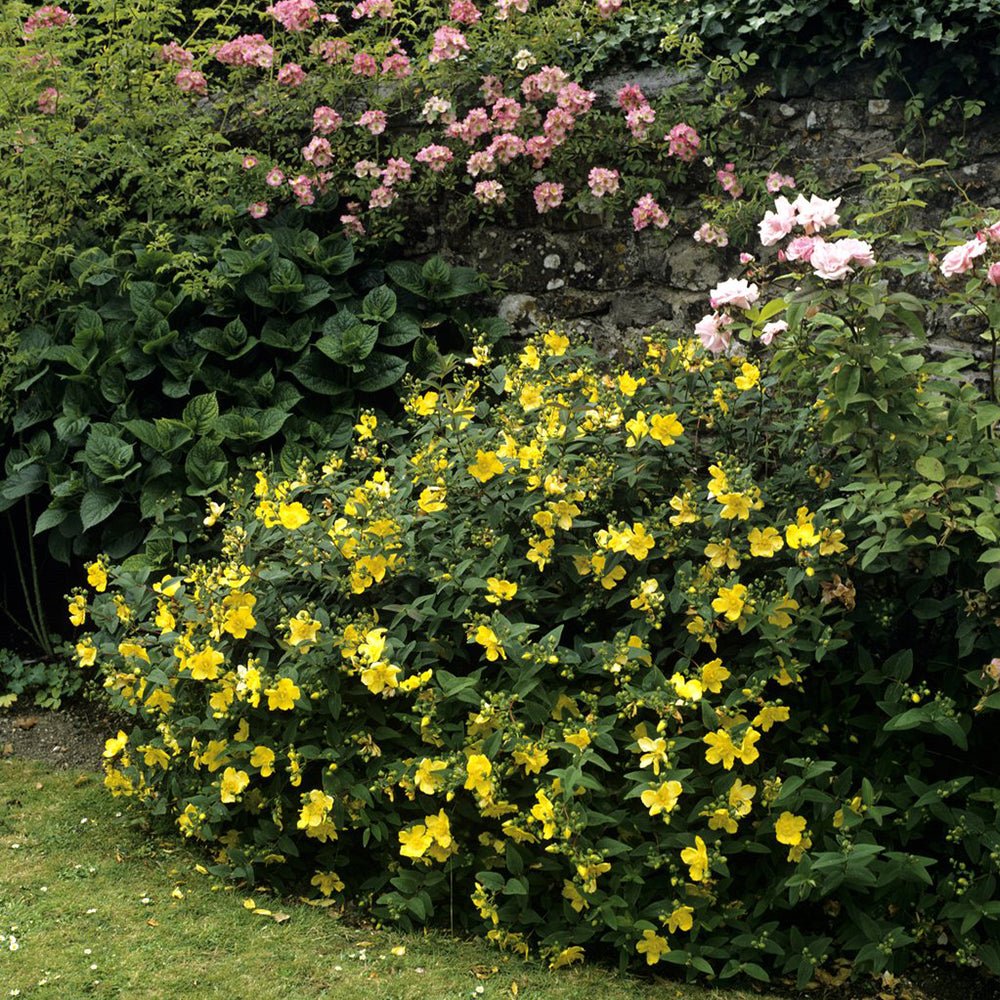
{"x": 257, "y": 210}
{"x": 801, "y": 248}
{"x": 993, "y": 274}
{"x": 831, "y": 261}
{"x": 959, "y": 259}
{"x": 734, "y": 291}
{"x": 816, "y": 213}
{"x": 778, "y": 224}
{"x": 771, "y": 330}
{"x": 712, "y": 332}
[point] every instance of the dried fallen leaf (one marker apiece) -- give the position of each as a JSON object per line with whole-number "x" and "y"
{"x": 484, "y": 971}
{"x": 249, "y": 904}
{"x": 399, "y": 951}
{"x": 261, "y": 912}
{"x": 38, "y": 786}
{"x": 28, "y": 722}
{"x": 177, "y": 893}
{"x": 281, "y": 918}
{"x": 82, "y": 779}
{"x": 8, "y": 749}
{"x": 153, "y": 922}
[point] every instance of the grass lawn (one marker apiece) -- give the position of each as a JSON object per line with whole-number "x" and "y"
{"x": 100, "y": 910}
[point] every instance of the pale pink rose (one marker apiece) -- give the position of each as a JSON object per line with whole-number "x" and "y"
{"x": 776, "y": 181}
{"x": 464, "y": 12}
{"x": 191, "y": 81}
{"x": 574, "y": 99}
{"x": 480, "y": 162}
{"x": 959, "y": 259}
{"x": 397, "y": 64}
{"x": 683, "y": 142}
{"x": 647, "y": 212}
{"x": 801, "y": 248}
{"x": 173, "y": 52}
{"x": 332, "y": 50}
{"x": 729, "y": 181}
{"x": 247, "y": 50}
{"x": 353, "y": 226}
{"x": 48, "y": 99}
{"x": 489, "y": 192}
{"x": 506, "y": 112}
{"x": 291, "y": 75}
{"x": 608, "y": 8}
{"x": 639, "y": 121}
{"x": 374, "y": 121}
{"x": 294, "y": 15}
{"x": 318, "y": 152}
{"x": 547, "y": 195}
{"x": 747, "y": 258}
{"x": 275, "y": 177}
{"x": 631, "y": 97}
{"x": 326, "y": 120}
{"x": 713, "y": 333}
{"x": 249, "y": 162}
{"x": 860, "y": 251}
{"x": 302, "y": 189}
{"x": 992, "y": 233}
{"x": 711, "y": 235}
{"x": 436, "y": 158}
{"x": 993, "y": 274}
{"x": 367, "y": 168}
{"x": 491, "y": 89}
{"x": 816, "y": 213}
{"x": 734, "y": 292}
{"x": 449, "y": 43}
{"x": 831, "y": 261}
{"x": 381, "y": 197}
{"x": 771, "y": 330}
{"x": 506, "y": 147}
{"x": 602, "y": 181}
{"x": 776, "y": 225}
{"x": 364, "y": 64}
{"x": 257, "y": 210}
{"x": 397, "y": 171}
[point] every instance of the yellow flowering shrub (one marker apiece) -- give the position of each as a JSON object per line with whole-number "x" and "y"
{"x": 574, "y": 637}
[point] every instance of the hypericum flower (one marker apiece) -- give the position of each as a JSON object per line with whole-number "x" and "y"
{"x": 283, "y": 696}
{"x": 292, "y": 515}
{"x": 662, "y": 798}
{"x": 652, "y": 946}
{"x": 316, "y": 806}
{"x": 204, "y": 665}
{"x": 788, "y": 828}
{"x": 426, "y": 777}
{"x": 500, "y": 590}
{"x": 486, "y": 466}
{"x": 233, "y": 784}
{"x": 477, "y": 775}
{"x": 78, "y": 610}
{"x": 487, "y": 638}
{"x": 696, "y": 858}
{"x": 731, "y": 601}
{"x": 302, "y": 629}
{"x": 263, "y": 759}
{"x": 654, "y": 753}
{"x": 681, "y": 919}
{"x": 414, "y": 841}
{"x": 764, "y": 543}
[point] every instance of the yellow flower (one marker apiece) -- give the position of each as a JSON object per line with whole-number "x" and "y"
{"x": 779, "y": 613}
{"x": 212, "y": 758}
{"x": 238, "y": 621}
{"x": 115, "y": 745}
{"x": 415, "y": 841}
{"x": 567, "y": 957}
{"x": 734, "y": 505}
{"x": 204, "y": 665}
{"x": 719, "y": 819}
{"x": 788, "y": 829}
{"x": 529, "y": 358}
{"x": 302, "y": 629}
{"x": 292, "y": 515}
{"x": 263, "y": 759}
{"x": 486, "y": 466}
{"x": 627, "y": 385}
{"x": 576, "y": 900}
{"x": 831, "y": 542}
{"x": 133, "y": 649}
{"x": 316, "y": 806}
{"x": 233, "y": 783}
{"x": 769, "y": 715}
{"x": 730, "y": 601}
{"x": 685, "y": 512}
{"x": 555, "y": 343}
{"x": 366, "y": 426}
{"x": 654, "y": 753}
{"x": 86, "y": 652}
{"x": 579, "y": 739}
{"x": 380, "y": 676}
{"x": 682, "y": 919}
{"x": 214, "y": 513}
{"x": 500, "y": 590}
{"x": 718, "y": 483}
{"x": 425, "y": 405}
{"x": 765, "y": 543}
{"x": 637, "y": 429}
{"x": 652, "y": 946}
{"x": 712, "y": 676}
{"x": 636, "y": 541}
{"x": 426, "y": 778}
{"x": 749, "y": 378}
{"x": 283, "y": 695}
{"x": 696, "y": 858}
{"x": 802, "y": 534}
{"x": 540, "y": 551}
{"x": 477, "y": 775}
{"x": 432, "y": 499}
{"x": 662, "y": 799}
{"x": 78, "y": 610}
{"x": 532, "y": 760}
{"x": 164, "y": 619}
{"x": 741, "y": 798}
{"x": 327, "y": 882}
{"x": 439, "y": 828}
{"x": 720, "y": 749}
{"x": 487, "y": 638}
{"x": 544, "y": 812}
{"x": 665, "y": 428}
{"x": 748, "y": 751}
{"x": 97, "y": 576}
{"x": 722, "y": 554}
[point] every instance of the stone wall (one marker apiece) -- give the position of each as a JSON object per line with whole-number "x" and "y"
{"x": 609, "y": 280}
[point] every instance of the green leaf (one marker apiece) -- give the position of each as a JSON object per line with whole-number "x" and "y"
{"x": 106, "y": 454}
{"x": 51, "y": 517}
{"x": 379, "y": 304}
{"x": 201, "y": 413}
{"x": 380, "y": 371}
{"x": 402, "y": 328}
{"x": 930, "y": 468}
{"x": 97, "y": 505}
{"x": 347, "y": 346}
{"x": 206, "y": 467}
